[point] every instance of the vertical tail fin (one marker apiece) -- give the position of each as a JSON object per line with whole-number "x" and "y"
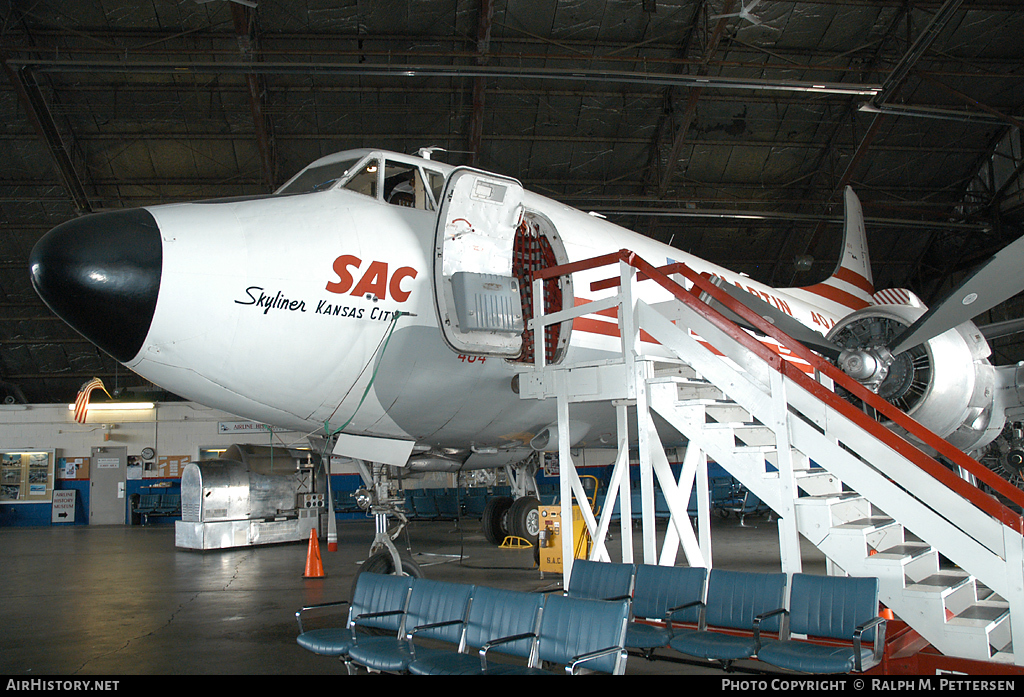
{"x": 855, "y": 261}
{"x": 851, "y": 284}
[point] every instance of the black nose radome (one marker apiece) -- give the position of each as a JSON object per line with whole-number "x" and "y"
{"x": 101, "y": 275}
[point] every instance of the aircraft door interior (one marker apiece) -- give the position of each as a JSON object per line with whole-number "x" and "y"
{"x": 487, "y": 246}
{"x": 532, "y": 251}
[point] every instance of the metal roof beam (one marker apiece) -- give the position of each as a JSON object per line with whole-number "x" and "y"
{"x": 39, "y": 114}
{"x": 627, "y": 77}
{"x": 244, "y": 20}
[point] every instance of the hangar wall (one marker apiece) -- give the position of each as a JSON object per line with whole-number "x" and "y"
{"x": 177, "y": 432}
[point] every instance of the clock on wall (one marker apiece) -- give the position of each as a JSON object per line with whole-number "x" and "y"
{"x": 148, "y": 453}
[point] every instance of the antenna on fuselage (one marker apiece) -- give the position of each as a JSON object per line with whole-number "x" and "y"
{"x": 425, "y": 153}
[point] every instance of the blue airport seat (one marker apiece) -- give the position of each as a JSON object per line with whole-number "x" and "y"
{"x": 600, "y": 580}
{"x": 735, "y": 599}
{"x": 832, "y": 607}
{"x": 494, "y": 614}
{"x": 378, "y": 602}
{"x": 436, "y": 610}
{"x": 577, "y": 633}
{"x": 658, "y": 592}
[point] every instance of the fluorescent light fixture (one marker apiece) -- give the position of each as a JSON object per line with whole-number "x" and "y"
{"x": 117, "y": 406}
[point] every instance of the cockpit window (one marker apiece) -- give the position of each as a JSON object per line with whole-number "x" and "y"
{"x": 436, "y": 180}
{"x": 318, "y": 178}
{"x": 403, "y": 186}
{"x": 365, "y": 181}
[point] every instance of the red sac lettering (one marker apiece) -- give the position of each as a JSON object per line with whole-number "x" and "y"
{"x": 375, "y": 280}
{"x": 395, "y": 287}
{"x": 341, "y": 265}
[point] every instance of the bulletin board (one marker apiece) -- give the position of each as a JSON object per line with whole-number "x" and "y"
{"x": 26, "y": 476}
{"x": 166, "y": 467}
{"x": 73, "y": 468}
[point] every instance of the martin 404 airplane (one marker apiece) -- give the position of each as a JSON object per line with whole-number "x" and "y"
{"x": 380, "y": 303}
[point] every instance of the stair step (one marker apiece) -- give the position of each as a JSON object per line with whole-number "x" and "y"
{"x": 944, "y": 580}
{"x": 719, "y": 411}
{"x": 983, "y": 613}
{"x": 983, "y": 628}
{"x": 915, "y": 560}
{"x": 872, "y": 532}
{"x": 817, "y": 481}
{"x": 986, "y": 593}
{"x": 907, "y": 550}
{"x": 868, "y": 524}
{"x": 686, "y": 390}
{"x": 746, "y": 435}
{"x": 675, "y": 370}
{"x": 727, "y": 412}
{"x": 843, "y": 506}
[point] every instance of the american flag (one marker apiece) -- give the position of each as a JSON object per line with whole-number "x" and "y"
{"x": 82, "y": 401}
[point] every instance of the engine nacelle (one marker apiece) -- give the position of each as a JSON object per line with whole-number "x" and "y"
{"x": 946, "y": 384}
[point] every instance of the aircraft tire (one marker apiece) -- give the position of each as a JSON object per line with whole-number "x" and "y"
{"x": 524, "y": 520}
{"x": 495, "y": 519}
{"x": 382, "y": 563}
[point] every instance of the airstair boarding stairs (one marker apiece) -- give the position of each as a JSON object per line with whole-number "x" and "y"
{"x": 872, "y": 501}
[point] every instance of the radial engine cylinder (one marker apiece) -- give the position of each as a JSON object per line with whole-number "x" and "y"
{"x": 946, "y": 384}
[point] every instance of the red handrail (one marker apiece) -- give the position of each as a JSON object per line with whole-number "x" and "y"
{"x": 983, "y": 501}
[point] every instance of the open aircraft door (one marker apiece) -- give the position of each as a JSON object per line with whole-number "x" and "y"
{"x": 479, "y": 300}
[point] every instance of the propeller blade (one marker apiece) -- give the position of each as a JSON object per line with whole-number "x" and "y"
{"x": 996, "y": 280}
{"x": 771, "y": 314}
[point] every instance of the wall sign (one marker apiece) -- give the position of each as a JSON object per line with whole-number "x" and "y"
{"x": 63, "y": 507}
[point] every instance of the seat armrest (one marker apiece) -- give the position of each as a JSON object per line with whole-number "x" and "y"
{"x": 319, "y": 606}
{"x": 783, "y": 625}
{"x": 410, "y": 636}
{"x": 371, "y": 615}
{"x": 591, "y": 655}
{"x": 498, "y": 642}
{"x": 684, "y": 606}
{"x": 878, "y": 645}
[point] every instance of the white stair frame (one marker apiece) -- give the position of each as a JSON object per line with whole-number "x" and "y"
{"x": 878, "y": 466}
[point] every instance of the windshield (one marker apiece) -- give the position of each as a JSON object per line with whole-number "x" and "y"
{"x": 318, "y": 178}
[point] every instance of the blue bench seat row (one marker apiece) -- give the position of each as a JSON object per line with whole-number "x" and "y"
{"x": 469, "y": 625}
{"x": 157, "y": 505}
{"x": 727, "y": 495}
{"x": 719, "y": 616}
{"x": 723, "y": 616}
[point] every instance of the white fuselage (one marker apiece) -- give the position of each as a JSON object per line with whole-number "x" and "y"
{"x": 276, "y": 308}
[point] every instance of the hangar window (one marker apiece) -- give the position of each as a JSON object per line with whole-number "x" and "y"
{"x": 317, "y": 178}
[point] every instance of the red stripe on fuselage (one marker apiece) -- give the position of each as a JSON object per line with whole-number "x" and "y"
{"x": 589, "y": 325}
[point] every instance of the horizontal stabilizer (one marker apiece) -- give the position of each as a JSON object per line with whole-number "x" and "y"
{"x": 1001, "y": 329}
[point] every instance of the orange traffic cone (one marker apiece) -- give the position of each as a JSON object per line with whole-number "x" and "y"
{"x": 314, "y": 565}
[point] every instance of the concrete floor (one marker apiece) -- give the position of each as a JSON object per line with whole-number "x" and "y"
{"x": 86, "y": 601}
